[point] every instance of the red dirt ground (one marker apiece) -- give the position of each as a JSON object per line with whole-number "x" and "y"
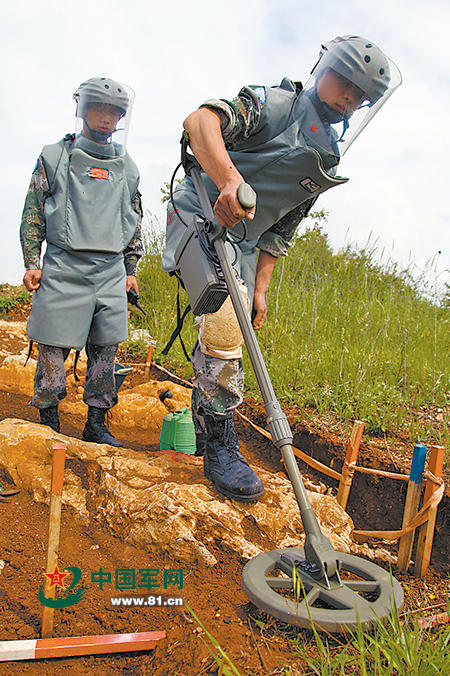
{"x": 215, "y": 594}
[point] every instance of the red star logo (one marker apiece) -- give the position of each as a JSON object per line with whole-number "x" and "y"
{"x": 56, "y": 577}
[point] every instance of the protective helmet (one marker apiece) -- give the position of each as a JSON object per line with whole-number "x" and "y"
{"x": 101, "y": 90}
{"x": 358, "y": 60}
{"x": 368, "y": 78}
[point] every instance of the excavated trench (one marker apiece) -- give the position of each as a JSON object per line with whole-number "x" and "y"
{"x": 375, "y": 502}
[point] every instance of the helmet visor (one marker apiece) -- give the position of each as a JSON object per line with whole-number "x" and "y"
{"x": 103, "y": 116}
{"x": 349, "y": 93}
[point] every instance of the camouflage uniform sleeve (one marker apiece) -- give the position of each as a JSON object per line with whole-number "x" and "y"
{"x": 277, "y": 240}
{"x": 32, "y": 226}
{"x": 239, "y": 117}
{"x": 134, "y": 250}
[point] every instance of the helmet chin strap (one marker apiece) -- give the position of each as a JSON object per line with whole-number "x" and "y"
{"x": 99, "y": 136}
{"x": 329, "y": 114}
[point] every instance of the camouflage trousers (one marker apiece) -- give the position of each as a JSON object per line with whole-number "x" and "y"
{"x": 218, "y": 386}
{"x": 50, "y": 376}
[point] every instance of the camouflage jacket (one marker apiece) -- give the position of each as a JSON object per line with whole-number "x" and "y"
{"x": 32, "y": 227}
{"x": 240, "y": 118}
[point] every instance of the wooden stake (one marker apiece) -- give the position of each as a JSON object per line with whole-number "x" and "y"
{"x": 348, "y": 468}
{"x": 54, "y": 527}
{"x": 411, "y": 505}
{"x": 32, "y": 649}
{"x": 426, "y": 531}
{"x": 148, "y": 361}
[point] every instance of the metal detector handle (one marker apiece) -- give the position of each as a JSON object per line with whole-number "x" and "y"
{"x": 246, "y": 196}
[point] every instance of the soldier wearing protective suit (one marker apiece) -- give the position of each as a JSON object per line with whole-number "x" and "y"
{"x": 286, "y": 142}
{"x": 83, "y": 200}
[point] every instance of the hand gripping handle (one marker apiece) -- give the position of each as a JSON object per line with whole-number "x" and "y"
{"x": 247, "y": 199}
{"x": 246, "y": 196}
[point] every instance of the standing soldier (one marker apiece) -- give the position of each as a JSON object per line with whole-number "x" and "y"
{"x": 286, "y": 142}
{"x": 84, "y": 201}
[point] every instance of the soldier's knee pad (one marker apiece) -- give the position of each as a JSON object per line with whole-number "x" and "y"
{"x": 220, "y": 334}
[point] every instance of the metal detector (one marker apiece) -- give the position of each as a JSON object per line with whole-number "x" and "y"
{"x": 315, "y": 584}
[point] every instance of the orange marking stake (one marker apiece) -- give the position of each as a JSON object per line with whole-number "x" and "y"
{"x": 348, "y": 469}
{"x": 148, "y": 362}
{"x": 54, "y": 527}
{"x": 426, "y": 531}
{"x": 78, "y": 645}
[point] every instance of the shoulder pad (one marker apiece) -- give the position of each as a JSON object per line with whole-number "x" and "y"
{"x": 287, "y": 84}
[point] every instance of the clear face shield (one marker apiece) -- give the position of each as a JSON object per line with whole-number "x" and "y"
{"x": 103, "y": 115}
{"x": 347, "y": 87}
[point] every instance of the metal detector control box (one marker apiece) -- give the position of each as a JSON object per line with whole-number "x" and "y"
{"x": 203, "y": 280}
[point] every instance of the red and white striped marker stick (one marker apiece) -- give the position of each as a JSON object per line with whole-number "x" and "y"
{"x": 45, "y": 648}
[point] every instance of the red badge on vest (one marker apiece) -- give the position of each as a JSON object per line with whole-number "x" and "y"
{"x": 97, "y": 172}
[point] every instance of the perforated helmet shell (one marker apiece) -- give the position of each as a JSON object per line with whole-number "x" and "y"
{"x": 360, "y": 61}
{"x": 101, "y": 90}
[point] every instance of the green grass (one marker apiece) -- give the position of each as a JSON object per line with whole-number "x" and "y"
{"x": 398, "y": 648}
{"x": 11, "y": 296}
{"x": 357, "y": 337}
{"x": 345, "y": 332}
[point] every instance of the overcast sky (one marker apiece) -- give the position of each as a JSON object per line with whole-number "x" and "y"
{"x": 177, "y": 54}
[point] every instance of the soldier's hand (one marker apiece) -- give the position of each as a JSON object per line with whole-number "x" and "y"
{"x": 132, "y": 284}
{"x": 228, "y": 208}
{"x": 32, "y": 279}
{"x": 259, "y": 310}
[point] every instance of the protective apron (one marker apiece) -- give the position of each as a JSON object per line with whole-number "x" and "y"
{"x": 285, "y": 169}
{"x": 89, "y": 222}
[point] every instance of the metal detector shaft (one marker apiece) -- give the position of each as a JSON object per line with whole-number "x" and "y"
{"x": 318, "y": 548}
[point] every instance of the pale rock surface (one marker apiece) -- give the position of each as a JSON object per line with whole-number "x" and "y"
{"x": 138, "y": 408}
{"x": 14, "y": 330}
{"x": 15, "y": 377}
{"x": 163, "y": 501}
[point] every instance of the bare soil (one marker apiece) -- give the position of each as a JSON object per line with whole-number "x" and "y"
{"x": 215, "y": 594}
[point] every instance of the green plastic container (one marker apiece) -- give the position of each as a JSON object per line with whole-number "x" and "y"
{"x": 177, "y": 432}
{"x": 184, "y": 434}
{"x": 166, "y": 436}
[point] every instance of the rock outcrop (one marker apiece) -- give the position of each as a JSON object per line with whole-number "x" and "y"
{"x": 162, "y": 500}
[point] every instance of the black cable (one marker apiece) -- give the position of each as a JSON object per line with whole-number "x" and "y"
{"x": 171, "y": 195}
{"x": 238, "y": 241}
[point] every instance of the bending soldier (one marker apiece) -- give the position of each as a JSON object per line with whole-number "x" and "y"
{"x": 286, "y": 142}
{"x": 83, "y": 200}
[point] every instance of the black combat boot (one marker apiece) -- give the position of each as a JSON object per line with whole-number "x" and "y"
{"x": 49, "y": 416}
{"x": 224, "y": 465}
{"x": 200, "y": 443}
{"x": 96, "y": 430}
{"x": 199, "y": 423}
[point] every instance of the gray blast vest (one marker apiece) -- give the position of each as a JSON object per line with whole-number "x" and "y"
{"x": 283, "y": 162}
{"x": 89, "y": 222}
